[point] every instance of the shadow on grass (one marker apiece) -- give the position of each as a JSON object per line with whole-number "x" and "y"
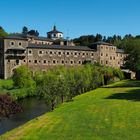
{"x": 130, "y": 83}
{"x": 133, "y": 95}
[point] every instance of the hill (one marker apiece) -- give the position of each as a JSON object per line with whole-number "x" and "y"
{"x": 108, "y": 113}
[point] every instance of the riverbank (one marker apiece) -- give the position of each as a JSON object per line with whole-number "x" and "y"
{"x": 6, "y": 86}
{"x": 111, "y": 112}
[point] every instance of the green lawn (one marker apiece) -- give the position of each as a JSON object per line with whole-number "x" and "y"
{"x": 109, "y": 113}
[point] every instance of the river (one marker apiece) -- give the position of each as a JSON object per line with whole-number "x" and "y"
{"x": 32, "y": 108}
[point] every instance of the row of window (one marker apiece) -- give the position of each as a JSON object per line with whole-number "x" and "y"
{"x": 111, "y": 56}
{"x": 12, "y": 43}
{"x": 108, "y": 48}
{"x": 106, "y": 62}
{"x": 39, "y": 42}
{"x": 54, "y": 62}
{"x": 60, "y": 53}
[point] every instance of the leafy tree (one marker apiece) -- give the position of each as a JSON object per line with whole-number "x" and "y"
{"x": 22, "y": 77}
{"x": 33, "y": 32}
{"x": 25, "y": 30}
{"x": 48, "y": 88}
{"x": 8, "y": 106}
{"x": 132, "y": 61}
{"x": 3, "y": 33}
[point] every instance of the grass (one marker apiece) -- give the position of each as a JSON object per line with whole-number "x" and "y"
{"x": 108, "y": 113}
{"x": 6, "y": 86}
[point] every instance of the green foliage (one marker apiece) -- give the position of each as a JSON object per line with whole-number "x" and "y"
{"x": 22, "y": 77}
{"x": 2, "y": 32}
{"x": 66, "y": 83}
{"x": 23, "y": 83}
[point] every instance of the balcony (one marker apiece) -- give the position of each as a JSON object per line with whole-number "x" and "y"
{"x": 15, "y": 53}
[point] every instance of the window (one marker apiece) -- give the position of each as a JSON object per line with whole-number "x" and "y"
{"x": 71, "y": 62}
{"x": 24, "y": 60}
{"x": 101, "y": 54}
{"x": 30, "y": 52}
{"x": 40, "y": 52}
{"x": 29, "y": 61}
{"x": 79, "y": 62}
{"x": 110, "y": 57}
{"x": 50, "y": 52}
{"x": 45, "y": 61}
{"x": 106, "y": 54}
{"x": 62, "y": 61}
{"x": 114, "y": 57}
{"x": 35, "y": 61}
{"x": 106, "y": 62}
{"x": 8, "y": 60}
{"x": 86, "y": 53}
{"x": 75, "y": 53}
{"x": 101, "y": 61}
{"x": 19, "y": 43}
{"x": 54, "y": 61}
{"x": 83, "y": 53}
{"x": 67, "y": 53}
{"x": 59, "y": 53}
{"x": 92, "y": 54}
{"x": 12, "y": 43}
{"x": 17, "y": 62}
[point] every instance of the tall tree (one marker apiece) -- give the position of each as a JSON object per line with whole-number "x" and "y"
{"x": 132, "y": 47}
{"x": 24, "y": 30}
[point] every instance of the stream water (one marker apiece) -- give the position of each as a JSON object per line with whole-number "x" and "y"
{"x": 32, "y": 108}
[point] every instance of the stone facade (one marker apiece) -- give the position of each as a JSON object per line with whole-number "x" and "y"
{"x": 42, "y": 53}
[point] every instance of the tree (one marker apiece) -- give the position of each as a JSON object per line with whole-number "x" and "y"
{"x": 33, "y": 32}
{"x": 132, "y": 61}
{"x": 22, "y": 77}
{"x": 48, "y": 88}
{"x": 2, "y": 32}
{"x": 25, "y": 30}
{"x": 8, "y": 106}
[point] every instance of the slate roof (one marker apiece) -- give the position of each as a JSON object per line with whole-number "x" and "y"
{"x": 16, "y": 36}
{"x": 54, "y": 31}
{"x": 102, "y": 43}
{"x": 119, "y": 51}
{"x": 44, "y": 46}
{"x": 25, "y": 37}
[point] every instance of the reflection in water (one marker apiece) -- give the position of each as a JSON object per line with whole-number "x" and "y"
{"x": 32, "y": 108}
